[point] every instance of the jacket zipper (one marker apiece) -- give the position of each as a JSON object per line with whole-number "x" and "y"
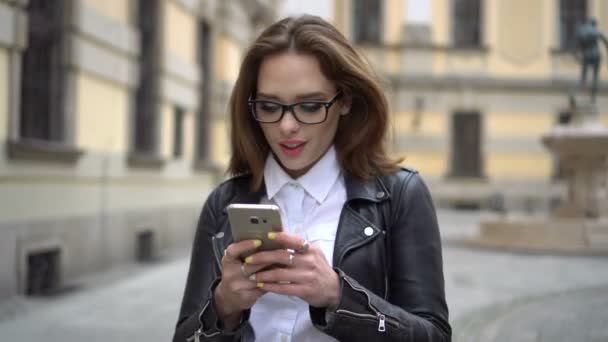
{"x": 379, "y": 316}
{"x": 195, "y": 337}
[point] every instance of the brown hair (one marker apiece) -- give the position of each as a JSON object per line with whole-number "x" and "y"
{"x": 359, "y": 141}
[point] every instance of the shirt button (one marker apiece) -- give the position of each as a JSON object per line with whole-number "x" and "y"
{"x": 380, "y": 194}
{"x": 219, "y": 235}
{"x": 368, "y": 231}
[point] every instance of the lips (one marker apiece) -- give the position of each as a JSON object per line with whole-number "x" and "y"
{"x": 292, "y": 148}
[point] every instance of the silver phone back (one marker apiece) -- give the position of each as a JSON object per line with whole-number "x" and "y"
{"x": 255, "y": 221}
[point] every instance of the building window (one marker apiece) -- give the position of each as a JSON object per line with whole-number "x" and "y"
{"x": 572, "y": 13}
{"x": 204, "y": 117}
{"x": 43, "y": 272}
{"x": 42, "y": 87}
{"x": 146, "y": 106}
{"x": 178, "y": 132}
{"x": 367, "y": 21}
{"x": 466, "y": 145}
{"x": 466, "y": 19}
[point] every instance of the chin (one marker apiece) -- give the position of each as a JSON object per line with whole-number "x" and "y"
{"x": 292, "y": 167}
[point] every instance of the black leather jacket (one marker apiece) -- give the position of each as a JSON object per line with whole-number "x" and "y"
{"x": 392, "y": 280}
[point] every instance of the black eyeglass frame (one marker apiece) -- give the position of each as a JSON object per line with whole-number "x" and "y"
{"x": 290, "y": 107}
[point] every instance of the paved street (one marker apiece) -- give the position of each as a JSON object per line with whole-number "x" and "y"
{"x": 493, "y": 296}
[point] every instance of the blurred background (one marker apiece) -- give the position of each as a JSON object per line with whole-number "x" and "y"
{"x": 114, "y": 129}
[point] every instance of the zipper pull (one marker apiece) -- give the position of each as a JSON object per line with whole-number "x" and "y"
{"x": 195, "y": 337}
{"x": 381, "y": 323}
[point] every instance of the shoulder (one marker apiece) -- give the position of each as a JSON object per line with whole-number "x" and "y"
{"x": 399, "y": 178}
{"x": 234, "y": 182}
{"x": 228, "y": 189}
{"x": 405, "y": 183}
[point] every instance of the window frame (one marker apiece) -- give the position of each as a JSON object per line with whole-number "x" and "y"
{"x": 462, "y": 171}
{"x": 567, "y": 35}
{"x": 146, "y": 110}
{"x": 363, "y": 36}
{"x": 456, "y": 24}
{"x": 52, "y": 142}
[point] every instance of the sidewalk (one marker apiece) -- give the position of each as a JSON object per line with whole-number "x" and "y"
{"x": 493, "y": 296}
{"x": 132, "y": 303}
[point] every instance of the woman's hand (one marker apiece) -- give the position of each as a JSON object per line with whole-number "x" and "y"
{"x": 307, "y": 274}
{"x": 236, "y": 292}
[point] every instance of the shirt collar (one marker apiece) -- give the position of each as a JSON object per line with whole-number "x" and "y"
{"x": 317, "y": 182}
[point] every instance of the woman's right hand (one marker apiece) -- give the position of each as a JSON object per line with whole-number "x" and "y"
{"x": 235, "y": 292}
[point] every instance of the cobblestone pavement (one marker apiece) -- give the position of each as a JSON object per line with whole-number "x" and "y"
{"x": 493, "y": 296}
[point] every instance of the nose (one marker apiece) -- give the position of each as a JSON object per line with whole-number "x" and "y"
{"x": 288, "y": 123}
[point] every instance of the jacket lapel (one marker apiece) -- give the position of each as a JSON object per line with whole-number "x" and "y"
{"x": 354, "y": 229}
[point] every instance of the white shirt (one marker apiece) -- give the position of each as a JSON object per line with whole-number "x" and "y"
{"x": 310, "y": 207}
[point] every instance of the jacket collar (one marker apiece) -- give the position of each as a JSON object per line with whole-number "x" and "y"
{"x": 374, "y": 190}
{"x": 348, "y": 234}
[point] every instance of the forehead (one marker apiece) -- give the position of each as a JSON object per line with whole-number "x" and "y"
{"x": 288, "y": 74}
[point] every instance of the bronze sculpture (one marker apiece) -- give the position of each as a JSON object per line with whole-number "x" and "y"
{"x": 588, "y": 53}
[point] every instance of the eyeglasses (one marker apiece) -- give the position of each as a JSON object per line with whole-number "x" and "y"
{"x": 308, "y": 112}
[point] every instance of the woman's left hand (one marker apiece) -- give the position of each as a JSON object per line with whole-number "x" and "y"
{"x": 307, "y": 274}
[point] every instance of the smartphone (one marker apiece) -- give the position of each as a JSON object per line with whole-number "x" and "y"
{"x": 255, "y": 221}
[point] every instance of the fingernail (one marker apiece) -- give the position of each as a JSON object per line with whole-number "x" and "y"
{"x": 272, "y": 235}
{"x": 260, "y": 285}
{"x": 257, "y": 243}
{"x": 248, "y": 259}
{"x": 252, "y": 277}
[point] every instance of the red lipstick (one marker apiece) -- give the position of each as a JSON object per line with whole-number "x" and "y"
{"x": 292, "y": 147}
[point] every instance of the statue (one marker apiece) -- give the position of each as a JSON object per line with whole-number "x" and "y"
{"x": 588, "y": 53}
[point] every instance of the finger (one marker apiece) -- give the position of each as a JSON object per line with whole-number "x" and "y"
{"x": 235, "y": 249}
{"x": 277, "y": 256}
{"x": 240, "y": 286}
{"x": 253, "y": 269}
{"x": 297, "y": 290}
{"x": 246, "y": 270}
{"x": 277, "y": 275}
{"x": 287, "y": 240}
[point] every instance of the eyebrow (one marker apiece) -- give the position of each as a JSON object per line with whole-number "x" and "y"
{"x": 306, "y": 96}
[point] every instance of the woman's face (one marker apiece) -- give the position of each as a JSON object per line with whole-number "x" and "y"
{"x": 289, "y": 78}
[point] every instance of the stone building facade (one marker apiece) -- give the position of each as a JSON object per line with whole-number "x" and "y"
{"x": 474, "y": 84}
{"x": 112, "y": 128}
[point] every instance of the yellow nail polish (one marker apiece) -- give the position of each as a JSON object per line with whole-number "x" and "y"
{"x": 272, "y": 235}
{"x": 248, "y": 259}
{"x": 260, "y": 285}
{"x": 257, "y": 243}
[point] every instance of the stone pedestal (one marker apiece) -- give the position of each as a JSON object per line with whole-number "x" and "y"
{"x": 580, "y": 223}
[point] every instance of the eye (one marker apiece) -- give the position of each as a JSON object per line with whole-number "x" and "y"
{"x": 268, "y": 107}
{"x": 310, "y": 107}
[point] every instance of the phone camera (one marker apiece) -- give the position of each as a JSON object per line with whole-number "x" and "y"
{"x": 264, "y": 220}
{"x": 254, "y": 220}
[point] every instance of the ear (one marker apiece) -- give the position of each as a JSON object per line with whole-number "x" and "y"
{"x": 346, "y": 103}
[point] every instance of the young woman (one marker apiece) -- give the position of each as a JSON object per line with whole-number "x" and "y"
{"x": 362, "y": 250}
